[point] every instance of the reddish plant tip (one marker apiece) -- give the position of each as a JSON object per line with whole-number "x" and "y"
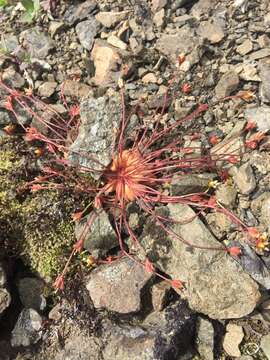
{"x": 250, "y": 125}
{"x": 176, "y": 284}
{"x": 77, "y": 216}
{"x": 149, "y": 267}
{"x": 213, "y": 139}
{"x": 234, "y": 251}
{"x": 59, "y": 283}
{"x": 186, "y": 88}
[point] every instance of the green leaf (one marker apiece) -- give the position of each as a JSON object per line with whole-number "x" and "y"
{"x": 28, "y": 5}
{"x": 36, "y": 6}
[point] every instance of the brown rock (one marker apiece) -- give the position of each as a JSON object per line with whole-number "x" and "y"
{"x": 211, "y": 31}
{"x": 76, "y": 89}
{"x": 227, "y": 84}
{"x": 118, "y": 286}
{"x": 106, "y": 60}
{"x": 110, "y": 18}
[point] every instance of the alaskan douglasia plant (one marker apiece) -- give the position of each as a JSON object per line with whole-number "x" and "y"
{"x": 139, "y": 170}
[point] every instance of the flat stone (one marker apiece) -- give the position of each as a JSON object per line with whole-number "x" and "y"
{"x": 79, "y": 12}
{"x": 260, "y": 54}
{"x": 55, "y": 27}
{"x": 86, "y": 32}
{"x": 160, "y": 294}
{"x": 265, "y": 345}
{"x": 227, "y": 84}
{"x": 31, "y": 293}
{"x": 264, "y": 74}
{"x": 107, "y": 61}
{"x": 205, "y": 339}
{"x": 229, "y": 296}
{"x": 260, "y": 115}
{"x": 183, "y": 41}
{"x": 76, "y": 89}
{"x": 47, "y": 89}
{"x": 149, "y": 78}
{"x": 115, "y": 41}
{"x": 100, "y": 238}
{"x": 37, "y": 44}
{"x": 245, "y": 179}
{"x": 9, "y": 43}
{"x": 111, "y": 18}
{"x": 190, "y": 184}
{"x": 211, "y": 31}
{"x": 159, "y": 18}
{"x": 28, "y": 329}
{"x": 226, "y": 195}
{"x": 118, "y": 286}
{"x": 249, "y": 73}
{"x": 13, "y": 79}
{"x": 202, "y": 7}
{"x": 245, "y": 47}
{"x": 157, "y": 5}
{"x": 232, "y": 340}
{"x": 98, "y": 119}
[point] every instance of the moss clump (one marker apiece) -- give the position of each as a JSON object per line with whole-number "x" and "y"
{"x": 36, "y": 226}
{"x": 48, "y": 231}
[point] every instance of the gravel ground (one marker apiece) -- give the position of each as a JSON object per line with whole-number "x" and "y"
{"x": 75, "y": 56}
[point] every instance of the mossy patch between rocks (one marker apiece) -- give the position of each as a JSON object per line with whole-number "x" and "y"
{"x": 35, "y": 226}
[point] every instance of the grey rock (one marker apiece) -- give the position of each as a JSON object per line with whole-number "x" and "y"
{"x": 226, "y": 195}
{"x": 163, "y": 335}
{"x": 254, "y": 266}
{"x": 76, "y": 89}
{"x": 190, "y": 184}
{"x": 245, "y": 179}
{"x": 118, "y": 286}
{"x": 227, "y": 84}
{"x": 202, "y": 7}
{"x": 211, "y": 31}
{"x": 5, "y": 299}
{"x": 28, "y": 329}
{"x": 261, "y": 208}
{"x": 265, "y": 345}
{"x": 205, "y": 339}
{"x": 111, "y": 18}
{"x": 179, "y": 3}
{"x": 31, "y": 293}
{"x": 261, "y": 116}
{"x": 13, "y": 79}
{"x": 47, "y": 89}
{"x": 37, "y": 43}
{"x": 98, "y": 119}
{"x": 81, "y": 347}
{"x": 183, "y": 40}
{"x": 86, "y": 31}
{"x": 79, "y": 12}
{"x": 8, "y": 43}
{"x": 160, "y": 292}
{"x": 100, "y": 238}
{"x": 264, "y": 73}
{"x": 228, "y": 296}
{"x": 5, "y": 117}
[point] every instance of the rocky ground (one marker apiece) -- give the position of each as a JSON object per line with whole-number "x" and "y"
{"x": 212, "y": 49}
